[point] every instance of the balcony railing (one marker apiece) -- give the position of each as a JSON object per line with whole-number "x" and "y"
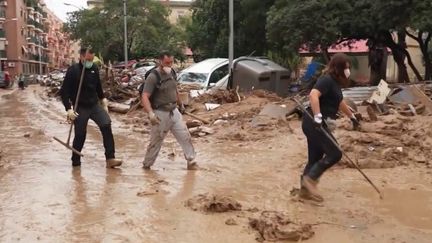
{"x": 31, "y": 3}
{"x": 2, "y": 13}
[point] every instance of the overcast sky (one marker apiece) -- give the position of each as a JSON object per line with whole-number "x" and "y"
{"x": 60, "y": 9}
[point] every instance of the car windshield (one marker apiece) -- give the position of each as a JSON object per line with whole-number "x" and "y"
{"x": 193, "y": 77}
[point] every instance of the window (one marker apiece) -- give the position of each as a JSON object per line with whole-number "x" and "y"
{"x": 218, "y": 74}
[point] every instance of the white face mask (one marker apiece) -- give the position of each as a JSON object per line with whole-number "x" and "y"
{"x": 167, "y": 70}
{"x": 347, "y": 72}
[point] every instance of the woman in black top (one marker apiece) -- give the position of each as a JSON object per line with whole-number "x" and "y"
{"x": 326, "y": 100}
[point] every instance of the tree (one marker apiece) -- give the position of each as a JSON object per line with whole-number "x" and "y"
{"x": 208, "y": 31}
{"x": 309, "y": 25}
{"x": 421, "y": 31}
{"x": 318, "y": 24}
{"x": 148, "y": 29}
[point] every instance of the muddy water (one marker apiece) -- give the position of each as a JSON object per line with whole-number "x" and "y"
{"x": 44, "y": 199}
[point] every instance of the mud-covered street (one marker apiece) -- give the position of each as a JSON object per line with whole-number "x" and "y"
{"x": 44, "y": 199}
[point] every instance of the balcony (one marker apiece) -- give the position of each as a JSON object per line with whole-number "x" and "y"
{"x": 31, "y": 23}
{"x": 32, "y": 40}
{"x": 3, "y": 54}
{"x": 31, "y": 4}
{"x": 39, "y": 27}
{"x": 2, "y": 14}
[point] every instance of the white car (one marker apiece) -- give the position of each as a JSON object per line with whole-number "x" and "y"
{"x": 141, "y": 68}
{"x": 209, "y": 73}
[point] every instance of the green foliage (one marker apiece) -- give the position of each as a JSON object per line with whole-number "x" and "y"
{"x": 149, "y": 31}
{"x": 320, "y": 23}
{"x": 208, "y": 32}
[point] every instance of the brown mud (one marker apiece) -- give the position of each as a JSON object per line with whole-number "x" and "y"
{"x": 45, "y": 200}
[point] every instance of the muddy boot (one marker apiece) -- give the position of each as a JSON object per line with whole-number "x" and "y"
{"x": 305, "y": 194}
{"x": 191, "y": 165}
{"x": 311, "y": 186}
{"x": 111, "y": 163}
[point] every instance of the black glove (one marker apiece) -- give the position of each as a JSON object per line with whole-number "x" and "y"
{"x": 182, "y": 109}
{"x": 355, "y": 123}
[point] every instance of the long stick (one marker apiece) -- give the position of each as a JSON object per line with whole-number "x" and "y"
{"x": 75, "y": 107}
{"x": 197, "y": 117}
{"x": 337, "y": 145}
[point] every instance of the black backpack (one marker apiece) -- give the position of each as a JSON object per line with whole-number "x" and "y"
{"x": 158, "y": 77}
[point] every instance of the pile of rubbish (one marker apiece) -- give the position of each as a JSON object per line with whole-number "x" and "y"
{"x": 395, "y": 130}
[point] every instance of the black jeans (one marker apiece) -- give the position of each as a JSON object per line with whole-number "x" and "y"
{"x": 102, "y": 119}
{"x": 322, "y": 153}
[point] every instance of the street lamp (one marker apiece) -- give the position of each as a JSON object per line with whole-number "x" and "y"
{"x": 125, "y": 34}
{"x": 231, "y": 35}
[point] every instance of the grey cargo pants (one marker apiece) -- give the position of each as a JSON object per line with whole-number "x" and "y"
{"x": 169, "y": 121}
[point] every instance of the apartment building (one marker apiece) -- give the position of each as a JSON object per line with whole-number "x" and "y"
{"x": 31, "y": 41}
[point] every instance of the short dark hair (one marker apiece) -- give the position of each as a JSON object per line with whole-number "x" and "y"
{"x": 164, "y": 54}
{"x": 84, "y": 50}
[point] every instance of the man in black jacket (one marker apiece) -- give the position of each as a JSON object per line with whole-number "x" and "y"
{"x": 91, "y": 105}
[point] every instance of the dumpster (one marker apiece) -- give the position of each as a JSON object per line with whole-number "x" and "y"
{"x": 251, "y": 73}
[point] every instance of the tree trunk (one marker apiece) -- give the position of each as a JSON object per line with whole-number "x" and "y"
{"x": 377, "y": 62}
{"x": 403, "y": 47}
{"x": 413, "y": 67}
{"x": 398, "y": 56}
{"x": 424, "y": 49}
{"x": 427, "y": 59}
{"x": 326, "y": 55}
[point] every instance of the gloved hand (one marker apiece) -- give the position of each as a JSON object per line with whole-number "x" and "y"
{"x": 71, "y": 115}
{"x": 104, "y": 104}
{"x": 355, "y": 122}
{"x": 154, "y": 120}
{"x": 331, "y": 124}
{"x": 182, "y": 109}
{"x": 318, "y": 120}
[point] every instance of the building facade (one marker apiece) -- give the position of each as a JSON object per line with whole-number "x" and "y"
{"x": 95, "y": 3}
{"x": 178, "y": 8}
{"x": 31, "y": 41}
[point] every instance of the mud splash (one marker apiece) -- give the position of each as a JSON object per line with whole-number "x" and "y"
{"x": 277, "y": 226}
{"x": 213, "y": 203}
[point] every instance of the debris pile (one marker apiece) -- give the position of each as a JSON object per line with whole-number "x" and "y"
{"x": 213, "y": 203}
{"x": 276, "y": 226}
{"x": 394, "y": 131}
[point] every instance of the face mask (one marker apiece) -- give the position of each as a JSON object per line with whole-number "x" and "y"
{"x": 167, "y": 70}
{"x": 347, "y": 73}
{"x": 88, "y": 64}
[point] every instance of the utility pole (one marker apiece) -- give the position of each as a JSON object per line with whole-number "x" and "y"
{"x": 125, "y": 34}
{"x": 231, "y": 35}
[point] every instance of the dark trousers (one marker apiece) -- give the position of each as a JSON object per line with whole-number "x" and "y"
{"x": 102, "y": 119}
{"x": 322, "y": 153}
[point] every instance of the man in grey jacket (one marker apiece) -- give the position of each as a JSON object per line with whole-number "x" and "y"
{"x": 160, "y": 99}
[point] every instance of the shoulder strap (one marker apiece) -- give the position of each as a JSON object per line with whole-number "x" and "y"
{"x": 158, "y": 77}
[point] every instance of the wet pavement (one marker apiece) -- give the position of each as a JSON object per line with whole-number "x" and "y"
{"x": 43, "y": 199}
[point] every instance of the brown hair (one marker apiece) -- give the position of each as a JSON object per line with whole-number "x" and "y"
{"x": 336, "y": 67}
